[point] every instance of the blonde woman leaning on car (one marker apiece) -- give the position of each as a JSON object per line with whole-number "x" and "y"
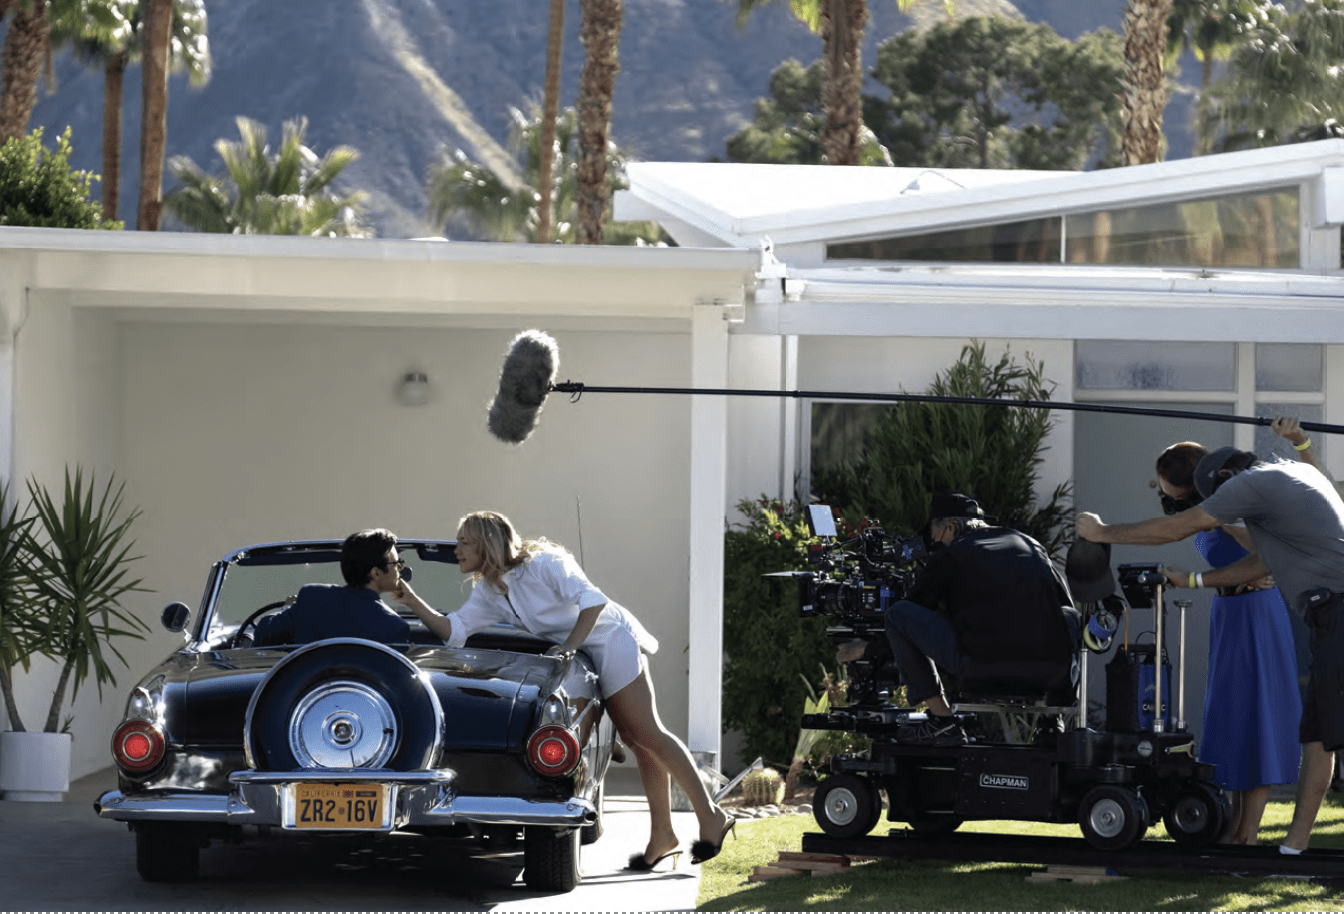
{"x": 538, "y": 586}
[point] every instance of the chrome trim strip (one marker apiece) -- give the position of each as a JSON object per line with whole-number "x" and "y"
{"x": 168, "y": 806}
{"x": 378, "y": 775}
{"x": 507, "y": 811}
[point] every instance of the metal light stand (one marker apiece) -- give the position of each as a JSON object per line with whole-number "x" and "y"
{"x": 1181, "y": 605}
{"x": 1158, "y": 724}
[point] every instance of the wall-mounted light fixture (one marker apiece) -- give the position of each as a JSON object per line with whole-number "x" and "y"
{"x": 413, "y": 389}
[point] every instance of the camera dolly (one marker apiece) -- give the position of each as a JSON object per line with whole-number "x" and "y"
{"x": 1029, "y": 753}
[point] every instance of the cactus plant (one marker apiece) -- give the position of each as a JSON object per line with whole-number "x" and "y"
{"x": 763, "y": 788}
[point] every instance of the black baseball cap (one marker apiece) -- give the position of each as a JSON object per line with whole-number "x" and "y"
{"x": 954, "y": 504}
{"x": 1088, "y": 569}
{"x": 1206, "y": 472}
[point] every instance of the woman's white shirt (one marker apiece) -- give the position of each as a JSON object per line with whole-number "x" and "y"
{"x": 545, "y": 596}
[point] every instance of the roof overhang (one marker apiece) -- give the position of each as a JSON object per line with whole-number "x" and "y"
{"x": 1013, "y": 301}
{"x": 258, "y": 278}
{"x": 740, "y": 205}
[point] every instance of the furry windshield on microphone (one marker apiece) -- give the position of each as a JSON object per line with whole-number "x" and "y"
{"x": 524, "y": 381}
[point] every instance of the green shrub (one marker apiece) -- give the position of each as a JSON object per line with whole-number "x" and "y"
{"x": 768, "y": 644}
{"x": 39, "y": 188}
{"x": 913, "y": 449}
{"x": 990, "y": 452}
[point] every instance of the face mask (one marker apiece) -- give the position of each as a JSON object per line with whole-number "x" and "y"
{"x": 1177, "y": 505}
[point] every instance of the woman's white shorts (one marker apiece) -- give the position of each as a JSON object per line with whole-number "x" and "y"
{"x": 617, "y": 658}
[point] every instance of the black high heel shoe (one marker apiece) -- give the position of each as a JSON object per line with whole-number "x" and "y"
{"x": 703, "y": 850}
{"x": 640, "y": 864}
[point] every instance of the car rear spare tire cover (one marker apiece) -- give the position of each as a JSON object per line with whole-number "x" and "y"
{"x": 344, "y": 703}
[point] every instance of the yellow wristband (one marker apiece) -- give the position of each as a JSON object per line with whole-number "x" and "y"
{"x": 1303, "y": 446}
{"x": 1191, "y": 583}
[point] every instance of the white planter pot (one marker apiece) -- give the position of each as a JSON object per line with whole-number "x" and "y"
{"x": 34, "y": 766}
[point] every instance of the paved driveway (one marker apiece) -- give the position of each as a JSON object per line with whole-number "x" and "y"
{"x": 60, "y": 856}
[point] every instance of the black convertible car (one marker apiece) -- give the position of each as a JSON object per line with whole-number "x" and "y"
{"x": 492, "y": 744}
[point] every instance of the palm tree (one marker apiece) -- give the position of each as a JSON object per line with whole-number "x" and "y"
{"x": 122, "y": 45}
{"x": 600, "y": 33}
{"x": 1282, "y": 83}
{"x": 555, "y": 35}
{"x": 840, "y": 24}
{"x": 28, "y": 47}
{"x": 461, "y": 189}
{"x": 157, "y": 31}
{"x": 285, "y": 193}
{"x": 1211, "y": 30}
{"x": 1145, "y": 82}
{"x": 24, "y": 51}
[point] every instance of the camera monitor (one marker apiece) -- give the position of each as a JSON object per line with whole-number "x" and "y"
{"x": 820, "y": 520}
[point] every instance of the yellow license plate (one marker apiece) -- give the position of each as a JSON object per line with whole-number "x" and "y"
{"x": 338, "y": 806}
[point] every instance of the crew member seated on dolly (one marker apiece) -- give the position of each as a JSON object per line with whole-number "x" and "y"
{"x": 1004, "y": 604}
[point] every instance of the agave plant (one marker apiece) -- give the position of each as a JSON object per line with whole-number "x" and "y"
{"x": 78, "y": 553}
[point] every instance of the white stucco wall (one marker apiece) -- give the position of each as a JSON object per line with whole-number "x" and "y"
{"x": 234, "y": 434}
{"x": 246, "y": 396}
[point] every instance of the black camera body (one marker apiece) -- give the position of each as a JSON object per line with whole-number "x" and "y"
{"x": 855, "y": 581}
{"x": 858, "y": 579}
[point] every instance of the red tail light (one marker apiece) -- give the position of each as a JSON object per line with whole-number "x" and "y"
{"x": 137, "y": 746}
{"x": 553, "y": 751}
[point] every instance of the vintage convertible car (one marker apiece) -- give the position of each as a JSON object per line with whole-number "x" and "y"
{"x": 493, "y": 744}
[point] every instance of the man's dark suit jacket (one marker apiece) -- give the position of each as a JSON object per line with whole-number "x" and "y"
{"x": 329, "y": 611}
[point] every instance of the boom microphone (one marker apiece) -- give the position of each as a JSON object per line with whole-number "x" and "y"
{"x": 530, "y": 368}
{"x": 524, "y": 381}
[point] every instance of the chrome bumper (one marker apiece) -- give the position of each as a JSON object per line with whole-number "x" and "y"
{"x": 421, "y": 798}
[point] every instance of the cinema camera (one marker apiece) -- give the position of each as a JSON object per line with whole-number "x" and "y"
{"x": 855, "y": 581}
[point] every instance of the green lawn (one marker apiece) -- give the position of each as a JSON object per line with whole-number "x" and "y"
{"x": 900, "y": 885}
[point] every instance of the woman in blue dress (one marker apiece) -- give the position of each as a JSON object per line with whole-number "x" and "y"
{"x": 1252, "y": 705}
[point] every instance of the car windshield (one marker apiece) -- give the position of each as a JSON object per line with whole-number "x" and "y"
{"x": 251, "y": 582}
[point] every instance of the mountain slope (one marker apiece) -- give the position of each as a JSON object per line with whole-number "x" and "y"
{"x": 398, "y": 79}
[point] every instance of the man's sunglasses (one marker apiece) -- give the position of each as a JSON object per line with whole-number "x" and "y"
{"x": 387, "y": 566}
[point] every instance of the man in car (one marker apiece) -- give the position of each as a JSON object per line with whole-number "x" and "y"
{"x": 1003, "y": 601}
{"x": 370, "y": 566}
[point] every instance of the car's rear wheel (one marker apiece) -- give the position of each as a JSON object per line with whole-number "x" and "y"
{"x": 344, "y": 704}
{"x": 167, "y": 851}
{"x": 551, "y": 858}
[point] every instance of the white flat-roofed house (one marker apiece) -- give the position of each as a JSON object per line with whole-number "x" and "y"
{"x": 245, "y": 388}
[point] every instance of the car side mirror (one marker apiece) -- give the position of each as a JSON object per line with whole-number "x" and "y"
{"x": 175, "y": 616}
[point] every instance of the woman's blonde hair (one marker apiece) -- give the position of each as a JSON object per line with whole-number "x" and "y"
{"x": 501, "y": 547}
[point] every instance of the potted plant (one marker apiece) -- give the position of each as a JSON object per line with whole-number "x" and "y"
{"x": 72, "y": 572}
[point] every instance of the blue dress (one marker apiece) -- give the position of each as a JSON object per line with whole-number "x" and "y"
{"x": 1252, "y": 706}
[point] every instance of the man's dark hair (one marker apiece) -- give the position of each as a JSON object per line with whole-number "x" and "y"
{"x": 364, "y": 551}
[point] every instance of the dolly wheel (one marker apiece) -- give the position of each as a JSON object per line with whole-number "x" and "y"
{"x": 1198, "y": 816}
{"x": 846, "y": 805}
{"x": 1112, "y": 817}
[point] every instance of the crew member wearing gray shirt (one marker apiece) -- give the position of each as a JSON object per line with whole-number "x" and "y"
{"x": 1296, "y": 521}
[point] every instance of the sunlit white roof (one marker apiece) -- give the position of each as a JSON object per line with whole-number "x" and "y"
{"x": 739, "y": 205}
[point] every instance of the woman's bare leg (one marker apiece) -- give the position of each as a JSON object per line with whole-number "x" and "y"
{"x": 632, "y": 710}
{"x": 1236, "y": 802}
{"x": 658, "y": 790}
{"x": 1251, "y": 812}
